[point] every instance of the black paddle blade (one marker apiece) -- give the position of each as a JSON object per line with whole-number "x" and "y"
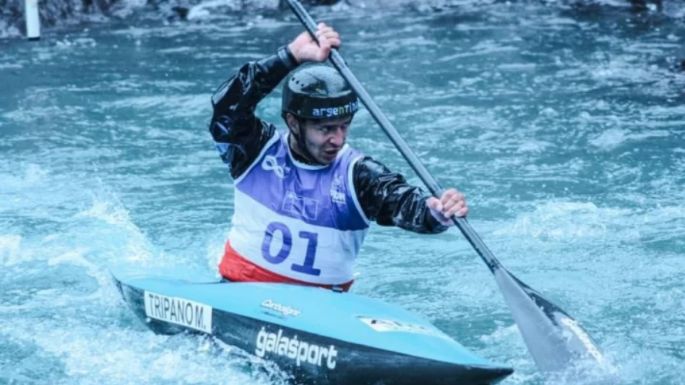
{"x": 555, "y": 340}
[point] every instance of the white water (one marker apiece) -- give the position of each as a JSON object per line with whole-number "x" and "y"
{"x": 563, "y": 125}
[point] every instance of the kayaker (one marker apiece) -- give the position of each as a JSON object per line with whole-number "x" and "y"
{"x": 303, "y": 197}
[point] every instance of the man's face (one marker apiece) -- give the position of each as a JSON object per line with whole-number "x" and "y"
{"x": 325, "y": 138}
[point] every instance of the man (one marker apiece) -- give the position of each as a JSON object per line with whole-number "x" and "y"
{"x": 304, "y": 198}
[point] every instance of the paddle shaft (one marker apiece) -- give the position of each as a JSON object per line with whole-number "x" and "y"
{"x": 378, "y": 115}
{"x": 553, "y": 337}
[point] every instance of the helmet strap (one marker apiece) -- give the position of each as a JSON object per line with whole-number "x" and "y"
{"x": 300, "y": 143}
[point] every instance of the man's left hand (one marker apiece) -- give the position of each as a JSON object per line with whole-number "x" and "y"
{"x": 451, "y": 203}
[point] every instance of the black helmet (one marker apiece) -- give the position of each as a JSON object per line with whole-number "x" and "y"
{"x": 318, "y": 92}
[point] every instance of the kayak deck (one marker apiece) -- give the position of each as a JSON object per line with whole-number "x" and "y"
{"x": 318, "y": 336}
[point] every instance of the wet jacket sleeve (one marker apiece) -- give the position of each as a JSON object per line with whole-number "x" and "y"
{"x": 238, "y": 134}
{"x": 388, "y": 199}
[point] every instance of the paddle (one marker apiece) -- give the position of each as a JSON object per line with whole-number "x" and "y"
{"x": 554, "y": 338}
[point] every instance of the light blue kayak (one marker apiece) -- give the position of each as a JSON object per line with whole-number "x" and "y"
{"x": 318, "y": 336}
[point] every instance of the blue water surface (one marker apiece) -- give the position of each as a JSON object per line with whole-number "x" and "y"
{"x": 563, "y": 124}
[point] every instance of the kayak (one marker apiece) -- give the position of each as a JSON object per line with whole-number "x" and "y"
{"x": 318, "y": 336}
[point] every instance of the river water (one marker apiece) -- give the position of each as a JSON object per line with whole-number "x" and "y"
{"x": 564, "y": 125}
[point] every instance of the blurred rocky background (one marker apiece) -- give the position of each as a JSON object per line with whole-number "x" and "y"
{"x": 56, "y": 12}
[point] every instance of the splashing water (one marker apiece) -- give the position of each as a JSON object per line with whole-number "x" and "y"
{"x": 562, "y": 122}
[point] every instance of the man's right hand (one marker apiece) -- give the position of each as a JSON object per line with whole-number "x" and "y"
{"x": 304, "y": 48}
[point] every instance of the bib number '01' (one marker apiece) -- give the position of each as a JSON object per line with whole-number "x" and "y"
{"x": 274, "y": 228}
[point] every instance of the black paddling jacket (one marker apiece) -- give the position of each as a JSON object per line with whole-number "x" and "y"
{"x": 239, "y": 135}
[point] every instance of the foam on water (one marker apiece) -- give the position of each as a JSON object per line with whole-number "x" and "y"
{"x": 563, "y": 222}
{"x": 562, "y": 122}
{"x": 10, "y": 246}
{"x": 64, "y": 319}
{"x": 176, "y": 107}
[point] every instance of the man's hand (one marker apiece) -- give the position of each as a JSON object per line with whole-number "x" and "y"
{"x": 304, "y": 48}
{"x": 451, "y": 203}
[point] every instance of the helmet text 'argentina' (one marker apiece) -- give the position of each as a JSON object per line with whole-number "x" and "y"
{"x": 333, "y": 112}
